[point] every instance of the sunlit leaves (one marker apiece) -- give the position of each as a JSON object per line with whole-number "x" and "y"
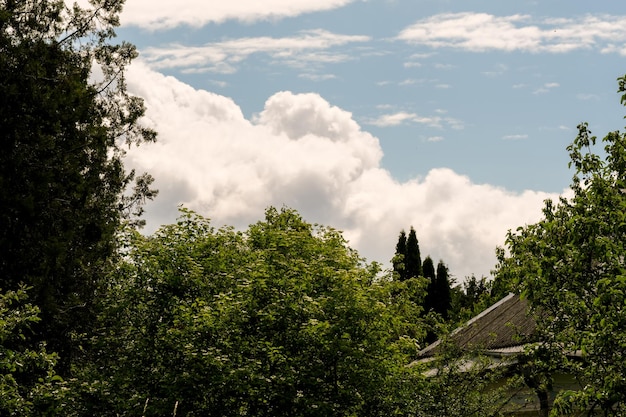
{"x": 571, "y": 266}
{"x": 283, "y": 319}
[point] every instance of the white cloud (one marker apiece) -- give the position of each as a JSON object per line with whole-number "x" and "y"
{"x": 398, "y": 118}
{"x": 302, "y": 152}
{"x": 434, "y": 138}
{"x": 412, "y": 65}
{"x": 546, "y": 88}
{"x": 515, "y": 137}
{"x": 393, "y": 119}
{"x": 219, "y": 83}
{"x": 422, "y": 55}
{"x": 226, "y": 55}
{"x": 484, "y": 32}
{"x": 587, "y": 97}
{"x": 161, "y": 14}
{"x": 317, "y": 77}
{"x": 498, "y": 70}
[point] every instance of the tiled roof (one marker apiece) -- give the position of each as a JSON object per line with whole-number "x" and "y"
{"x": 500, "y": 328}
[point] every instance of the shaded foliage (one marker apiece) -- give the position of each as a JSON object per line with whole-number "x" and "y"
{"x": 413, "y": 260}
{"x": 442, "y": 295}
{"x": 399, "y": 258}
{"x": 61, "y": 174}
{"x": 407, "y": 262}
{"x": 29, "y": 385}
{"x": 471, "y": 298}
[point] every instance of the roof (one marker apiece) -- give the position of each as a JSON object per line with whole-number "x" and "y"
{"x": 502, "y": 329}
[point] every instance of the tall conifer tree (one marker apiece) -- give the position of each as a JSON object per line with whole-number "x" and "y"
{"x": 428, "y": 269}
{"x": 443, "y": 300}
{"x": 413, "y": 261}
{"x": 399, "y": 259}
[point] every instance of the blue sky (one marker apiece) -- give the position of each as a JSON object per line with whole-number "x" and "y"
{"x": 372, "y": 116}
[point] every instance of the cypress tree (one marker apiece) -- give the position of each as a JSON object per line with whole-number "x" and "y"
{"x": 399, "y": 259}
{"x": 413, "y": 261}
{"x": 428, "y": 269}
{"x": 443, "y": 301}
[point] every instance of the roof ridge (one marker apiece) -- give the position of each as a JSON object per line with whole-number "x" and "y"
{"x": 467, "y": 326}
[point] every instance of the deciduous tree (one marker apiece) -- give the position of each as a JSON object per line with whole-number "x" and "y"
{"x": 62, "y": 182}
{"x": 29, "y": 385}
{"x": 283, "y": 319}
{"x": 571, "y": 266}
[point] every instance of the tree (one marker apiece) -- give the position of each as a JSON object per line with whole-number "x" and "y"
{"x": 464, "y": 384}
{"x": 400, "y": 257}
{"x": 443, "y": 298}
{"x": 283, "y": 319}
{"x": 428, "y": 269}
{"x": 62, "y": 181}
{"x": 471, "y": 298}
{"x": 413, "y": 261}
{"x": 28, "y": 383}
{"x": 571, "y": 267}
{"x": 407, "y": 262}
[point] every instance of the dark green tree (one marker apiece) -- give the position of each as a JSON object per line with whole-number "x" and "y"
{"x": 443, "y": 298}
{"x": 61, "y": 145}
{"x": 399, "y": 258}
{"x": 428, "y": 269}
{"x": 571, "y": 267}
{"x": 413, "y": 261}
{"x": 470, "y": 298}
{"x": 28, "y": 383}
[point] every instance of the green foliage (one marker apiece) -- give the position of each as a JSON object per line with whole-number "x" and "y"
{"x": 443, "y": 298}
{"x": 407, "y": 262}
{"x": 413, "y": 261}
{"x": 28, "y": 383}
{"x": 398, "y": 260}
{"x": 463, "y": 384}
{"x": 570, "y": 265}
{"x": 61, "y": 144}
{"x": 283, "y": 319}
{"x": 439, "y": 297}
{"x": 471, "y": 298}
{"x": 428, "y": 269}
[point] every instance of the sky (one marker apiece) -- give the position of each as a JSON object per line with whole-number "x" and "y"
{"x": 373, "y": 116}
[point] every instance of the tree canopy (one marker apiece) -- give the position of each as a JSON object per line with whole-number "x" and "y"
{"x": 65, "y": 116}
{"x": 413, "y": 260}
{"x": 283, "y": 319}
{"x": 571, "y": 267}
{"x": 399, "y": 258}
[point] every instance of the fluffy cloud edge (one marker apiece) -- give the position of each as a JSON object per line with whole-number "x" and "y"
{"x": 481, "y": 32}
{"x": 160, "y": 15}
{"x": 302, "y": 152}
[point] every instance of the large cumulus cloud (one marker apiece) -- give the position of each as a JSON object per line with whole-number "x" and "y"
{"x": 300, "y": 151}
